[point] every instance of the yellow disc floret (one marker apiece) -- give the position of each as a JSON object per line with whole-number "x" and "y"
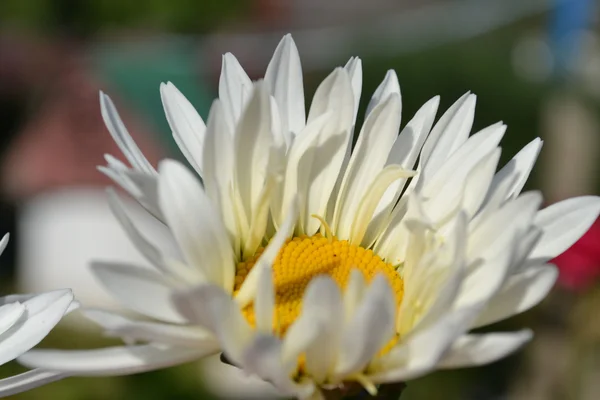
{"x": 303, "y": 258}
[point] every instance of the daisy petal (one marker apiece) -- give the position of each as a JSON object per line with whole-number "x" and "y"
{"x": 122, "y": 137}
{"x": 478, "y": 181}
{"x": 187, "y": 126}
{"x": 27, "y": 381}
{"x": 218, "y": 163}
{"x": 448, "y": 134}
{"x": 142, "y": 244}
{"x": 195, "y": 224}
{"x": 141, "y": 289}
{"x": 354, "y": 293}
{"x": 263, "y": 357}
{"x": 420, "y": 352}
{"x": 370, "y": 329}
{"x": 147, "y": 188}
{"x": 4, "y": 242}
{"x": 249, "y": 287}
{"x": 264, "y": 305}
{"x": 386, "y": 88}
{"x": 110, "y": 361}
{"x": 118, "y": 326}
{"x": 9, "y": 315}
{"x": 408, "y": 144}
{"x": 317, "y": 330}
{"x": 234, "y": 88}
{"x": 253, "y": 143}
{"x": 404, "y": 152}
{"x": 354, "y": 69}
{"x": 462, "y": 161}
{"x": 476, "y": 350}
{"x": 210, "y": 307}
{"x": 518, "y": 169}
{"x": 319, "y": 172}
{"x": 376, "y": 137}
{"x": 563, "y": 223}
{"x": 43, "y": 313}
{"x": 521, "y": 292}
{"x": 490, "y": 252}
{"x": 284, "y": 77}
{"x": 302, "y": 148}
{"x": 232, "y": 382}
{"x": 370, "y": 199}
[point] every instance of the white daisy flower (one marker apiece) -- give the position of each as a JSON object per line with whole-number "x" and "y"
{"x": 24, "y": 321}
{"x": 313, "y": 264}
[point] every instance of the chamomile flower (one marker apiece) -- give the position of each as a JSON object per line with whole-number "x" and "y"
{"x": 24, "y": 321}
{"x": 315, "y": 265}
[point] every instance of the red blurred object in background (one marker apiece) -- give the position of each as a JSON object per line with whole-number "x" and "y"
{"x": 579, "y": 266}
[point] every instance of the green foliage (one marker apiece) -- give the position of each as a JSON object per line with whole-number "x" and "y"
{"x": 89, "y": 17}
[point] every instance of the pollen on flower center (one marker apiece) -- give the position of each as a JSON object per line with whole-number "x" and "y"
{"x": 303, "y": 258}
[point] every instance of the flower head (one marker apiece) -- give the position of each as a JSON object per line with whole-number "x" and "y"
{"x": 24, "y": 321}
{"x": 313, "y": 264}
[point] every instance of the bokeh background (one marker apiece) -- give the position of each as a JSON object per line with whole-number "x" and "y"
{"x": 534, "y": 64}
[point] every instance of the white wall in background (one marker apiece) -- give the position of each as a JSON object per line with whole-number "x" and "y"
{"x": 60, "y": 233}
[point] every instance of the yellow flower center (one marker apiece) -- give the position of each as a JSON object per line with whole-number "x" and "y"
{"x": 303, "y": 258}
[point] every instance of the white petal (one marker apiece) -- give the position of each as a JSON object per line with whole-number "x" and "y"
{"x": 9, "y": 315}
{"x": 43, "y": 313}
{"x": 440, "y": 284}
{"x": 518, "y": 169}
{"x": 264, "y": 305}
{"x": 478, "y": 181}
{"x": 141, "y": 289}
{"x": 368, "y": 158}
{"x": 145, "y": 190}
{"x": 319, "y": 169}
{"x": 149, "y": 250}
{"x": 27, "y": 381}
{"x": 462, "y": 161}
{"x": 354, "y": 293}
{"x": 249, "y": 287}
{"x": 122, "y": 137}
{"x": 302, "y": 147}
{"x": 195, "y": 224}
{"x": 211, "y": 308}
{"x": 514, "y": 217}
{"x": 408, "y": 145}
{"x": 563, "y": 223}
{"x": 318, "y": 329}
{"x": 234, "y": 88}
{"x": 232, "y": 382}
{"x": 370, "y": 199}
{"x": 218, "y": 165}
{"x": 187, "y": 126}
{"x": 491, "y": 252}
{"x": 4, "y": 242}
{"x": 263, "y": 357}
{"x": 110, "y": 361}
{"x": 420, "y": 352}
{"x": 524, "y": 248}
{"x": 175, "y": 335}
{"x": 387, "y": 87}
{"x": 370, "y": 329}
{"x": 253, "y": 143}
{"x": 521, "y": 292}
{"x": 284, "y": 77}
{"x": 404, "y": 152}
{"x": 354, "y": 69}
{"x": 475, "y": 350}
{"x": 449, "y": 133}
